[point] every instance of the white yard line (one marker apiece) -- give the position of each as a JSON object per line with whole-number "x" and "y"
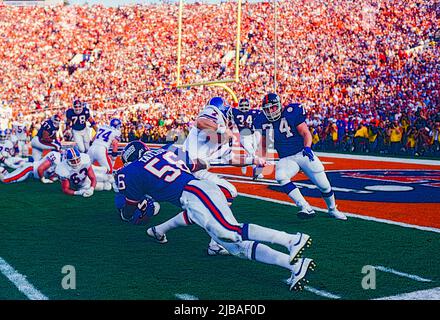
{"x": 429, "y": 294}
{"x": 353, "y": 215}
{"x": 401, "y": 274}
{"x": 20, "y": 281}
{"x": 185, "y": 296}
{"x": 321, "y": 293}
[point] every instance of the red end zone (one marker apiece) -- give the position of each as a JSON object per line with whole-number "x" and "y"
{"x": 397, "y": 191}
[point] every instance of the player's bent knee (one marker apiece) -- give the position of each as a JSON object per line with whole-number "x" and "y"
{"x": 241, "y": 249}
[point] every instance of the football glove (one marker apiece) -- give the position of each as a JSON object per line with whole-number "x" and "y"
{"x": 88, "y": 192}
{"x": 307, "y": 152}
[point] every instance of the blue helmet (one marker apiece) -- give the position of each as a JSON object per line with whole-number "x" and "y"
{"x": 73, "y": 157}
{"x": 221, "y": 104}
{"x": 272, "y": 107}
{"x": 133, "y": 151}
{"x": 244, "y": 105}
{"x": 2, "y": 135}
{"x": 116, "y": 123}
{"x": 56, "y": 119}
{"x": 8, "y": 133}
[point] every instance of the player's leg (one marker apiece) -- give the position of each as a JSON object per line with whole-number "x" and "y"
{"x": 86, "y": 139}
{"x": 103, "y": 158}
{"x": 78, "y": 138}
{"x": 226, "y": 187}
{"x": 102, "y": 179}
{"x": 252, "y": 250}
{"x": 287, "y": 168}
{"x": 246, "y": 142}
{"x": 315, "y": 172}
{"x": 38, "y": 148}
{"x": 18, "y": 175}
{"x": 159, "y": 232}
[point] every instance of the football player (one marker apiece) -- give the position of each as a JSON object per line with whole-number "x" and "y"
{"x": 8, "y": 151}
{"x": 107, "y": 136}
{"x": 292, "y": 140}
{"x": 43, "y": 170}
{"x": 209, "y": 140}
{"x": 46, "y": 138}
{"x": 243, "y": 117}
{"x": 20, "y": 135}
{"x": 166, "y": 178}
{"x": 76, "y": 120}
{"x": 78, "y": 178}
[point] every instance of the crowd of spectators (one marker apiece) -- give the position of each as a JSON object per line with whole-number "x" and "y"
{"x": 365, "y": 70}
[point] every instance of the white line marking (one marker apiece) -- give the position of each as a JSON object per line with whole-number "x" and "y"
{"x": 429, "y": 294}
{"x": 321, "y": 293}
{"x": 20, "y": 281}
{"x": 185, "y": 296}
{"x": 401, "y": 274}
{"x": 353, "y": 215}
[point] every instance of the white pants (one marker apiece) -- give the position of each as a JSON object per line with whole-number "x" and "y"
{"x": 82, "y": 139}
{"x": 288, "y": 167}
{"x": 249, "y": 144}
{"x": 38, "y": 148}
{"x": 21, "y": 174}
{"x": 226, "y": 187}
{"x": 206, "y": 206}
{"x": 99, "y": 153}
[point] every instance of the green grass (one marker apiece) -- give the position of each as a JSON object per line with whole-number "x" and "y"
{"x": 43, "y": 230}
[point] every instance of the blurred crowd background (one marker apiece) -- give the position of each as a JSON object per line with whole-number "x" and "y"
{"x": 368, "y": 72}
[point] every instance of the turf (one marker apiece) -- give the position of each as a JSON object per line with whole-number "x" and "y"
{"x": 43, "y": 230}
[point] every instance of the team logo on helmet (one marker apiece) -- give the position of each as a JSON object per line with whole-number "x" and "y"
{"x": 271, "y": 106}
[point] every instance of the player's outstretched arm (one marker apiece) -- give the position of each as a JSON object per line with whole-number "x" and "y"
{"x": 92, "y": 177}
{"x": 65, "y": 186}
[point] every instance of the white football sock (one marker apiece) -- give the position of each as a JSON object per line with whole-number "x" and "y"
{"x": 298, "y": 198}
{"x": 268, "y": 255}
{"x": 173, "y": 223}
{"x": 330, "y": 201}
{"x": 259, "y": 233}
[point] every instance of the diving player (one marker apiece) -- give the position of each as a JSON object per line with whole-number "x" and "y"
{"x": 163, "y": 176}
{"x": 8, "y": 151}
{"x": 76, "y": 119}
{"x": 243, "y": 117}
{"x": 292, "y": 140}
{"x": 77, "y": 175}
{"x": 46, "y": 137}
{"x": 106, "y": 137}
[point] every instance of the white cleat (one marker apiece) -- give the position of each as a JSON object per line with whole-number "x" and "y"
{"x": 306, "y": 212}
{"x": 297, "y": 280}
{"x": 214, "y": 249}
{"x": 159, "y": 237}
{"x": 107, "y": 186}
{"x": 297, "y": 248}
{"x": 335, "y": 213}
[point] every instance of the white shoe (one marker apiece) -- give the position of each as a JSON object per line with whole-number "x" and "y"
{"x": 296, "y": 248}
{"x": 335, "y": 213}
{"x": 107, "y": 186}
{"x": 306, "y": 212}
{"x": 297, "y": 280}
{"x": 161, "y": 238}
{"x": 214, "y": 249}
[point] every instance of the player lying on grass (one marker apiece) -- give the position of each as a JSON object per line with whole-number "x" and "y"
{"x": 292, "y": 140}
{"x": 163, "y": 176}
{"x": 78, "y": 177}
{"x": 8, "y": 152}
{"x": 44, "y": 170}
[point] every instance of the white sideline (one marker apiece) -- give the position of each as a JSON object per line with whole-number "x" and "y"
{"x": 185, "y": 296}
{"x": 20, "y": 282}
{"x": 321, "y": 293}
{"x": 401, "y": 274}
{"x": 429, "y": 294}
{"x": 352, "y": 215}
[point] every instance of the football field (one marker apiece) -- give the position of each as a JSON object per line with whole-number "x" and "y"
{"x": 43, "y": 230}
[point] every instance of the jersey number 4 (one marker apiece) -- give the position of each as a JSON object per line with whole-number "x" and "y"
{"x": 168, "y": 172}
{"x": 283, "y": 128}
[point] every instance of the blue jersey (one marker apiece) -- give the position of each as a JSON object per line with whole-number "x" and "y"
{"x": 245, "y": 120}
{"x": 78, "y": 121}
{"x": 49, "y": 127}
{"x": 286, "y": 139}
{"x": 159, "y": 173}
